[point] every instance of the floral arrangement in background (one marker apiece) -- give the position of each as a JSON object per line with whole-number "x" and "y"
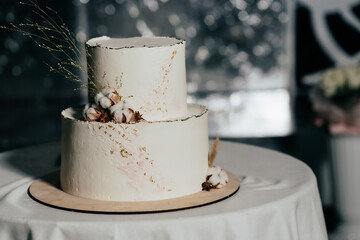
{"x": 336, "y": 100}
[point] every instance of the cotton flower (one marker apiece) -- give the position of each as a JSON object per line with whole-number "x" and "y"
{"x": 107, "y": 98}
{"x": 91, "y": 113}
{"x": 217, "y": 177}
{"x": 109, "y": 106}
{"x": 122, "y": 112}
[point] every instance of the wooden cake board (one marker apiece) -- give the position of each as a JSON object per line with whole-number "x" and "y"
{"x": 46, "y": 190}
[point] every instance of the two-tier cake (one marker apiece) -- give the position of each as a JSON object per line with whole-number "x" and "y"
{"x": 137, "y": 139}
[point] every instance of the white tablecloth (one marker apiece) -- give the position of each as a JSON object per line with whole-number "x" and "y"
{"x": 278, "y": 200}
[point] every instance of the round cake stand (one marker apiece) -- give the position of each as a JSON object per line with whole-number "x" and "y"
{"x": 46, "y": 190}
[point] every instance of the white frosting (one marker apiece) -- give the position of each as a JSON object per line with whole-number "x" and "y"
{"x": 134, "y": 162}
{"x": 151, "y": 70}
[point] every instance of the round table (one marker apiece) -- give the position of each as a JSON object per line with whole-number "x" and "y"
{"x": 278, "y": 200}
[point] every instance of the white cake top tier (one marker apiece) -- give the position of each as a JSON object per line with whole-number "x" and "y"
{"x": 148, "y": 71}
{"x": 134, "y": 42}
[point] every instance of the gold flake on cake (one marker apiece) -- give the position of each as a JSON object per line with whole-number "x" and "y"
{"x": 118, "y": 81}
{"x": 125, "y": 155}
{"x": 161, "y": 91}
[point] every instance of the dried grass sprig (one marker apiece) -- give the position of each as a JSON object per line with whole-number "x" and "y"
{"x": 213, "y": 152}
{"x": 54, "y": 36}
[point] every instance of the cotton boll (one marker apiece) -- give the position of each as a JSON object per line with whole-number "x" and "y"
{"x": 217, "y": 177}
{"x": 223, "y": 175}
{"x": 213, "y": 171}
{"x": 91, "y": 113}
{"x": 127, "y": 105}
{"x": 128, "y": 115}
{"x": 105, "y": 102}
{"x": 107, "y": 91}
{"x": 118, "y": 116}
{"x": 214, "y": 180}
{"x": 117, "y": 112}
{"x": 106, "y": 98}
{"x": 111, "y": 94}
{"x": 116, "y": 107}
{"x": 97, "y": 98}
{"x": 85, "y": 110}
{"x": 218, "y": 169}
{"x": 122, "y": 112}
{"x": 222, "y": 182}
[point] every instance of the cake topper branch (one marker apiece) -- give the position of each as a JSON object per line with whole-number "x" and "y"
{"x": 213, "y": 152}
{"x": 54, "y": 36}
{"x": 216, "y": 177}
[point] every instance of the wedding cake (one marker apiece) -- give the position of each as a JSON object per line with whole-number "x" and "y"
{"x": 137, "y": 139}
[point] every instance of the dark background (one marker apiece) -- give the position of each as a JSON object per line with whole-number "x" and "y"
{"x": 31, "y": 98}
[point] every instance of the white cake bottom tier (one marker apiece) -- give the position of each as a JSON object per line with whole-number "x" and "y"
{"x": 134, "y": 162}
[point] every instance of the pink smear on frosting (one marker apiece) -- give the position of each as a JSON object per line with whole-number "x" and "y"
{"x": 138, "y": 171}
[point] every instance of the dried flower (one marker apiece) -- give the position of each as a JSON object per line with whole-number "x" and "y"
{"x": 107, "y": 98}
{"x": 91, "y": 113}
{"x": 206, "y": 186}
{"x": 110, "y": 106}
{"x": 213, "y": 152}
{"x": 123, "y": 113}
{"x": 105, "y": 117}
{"x": 216, "y": 178}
